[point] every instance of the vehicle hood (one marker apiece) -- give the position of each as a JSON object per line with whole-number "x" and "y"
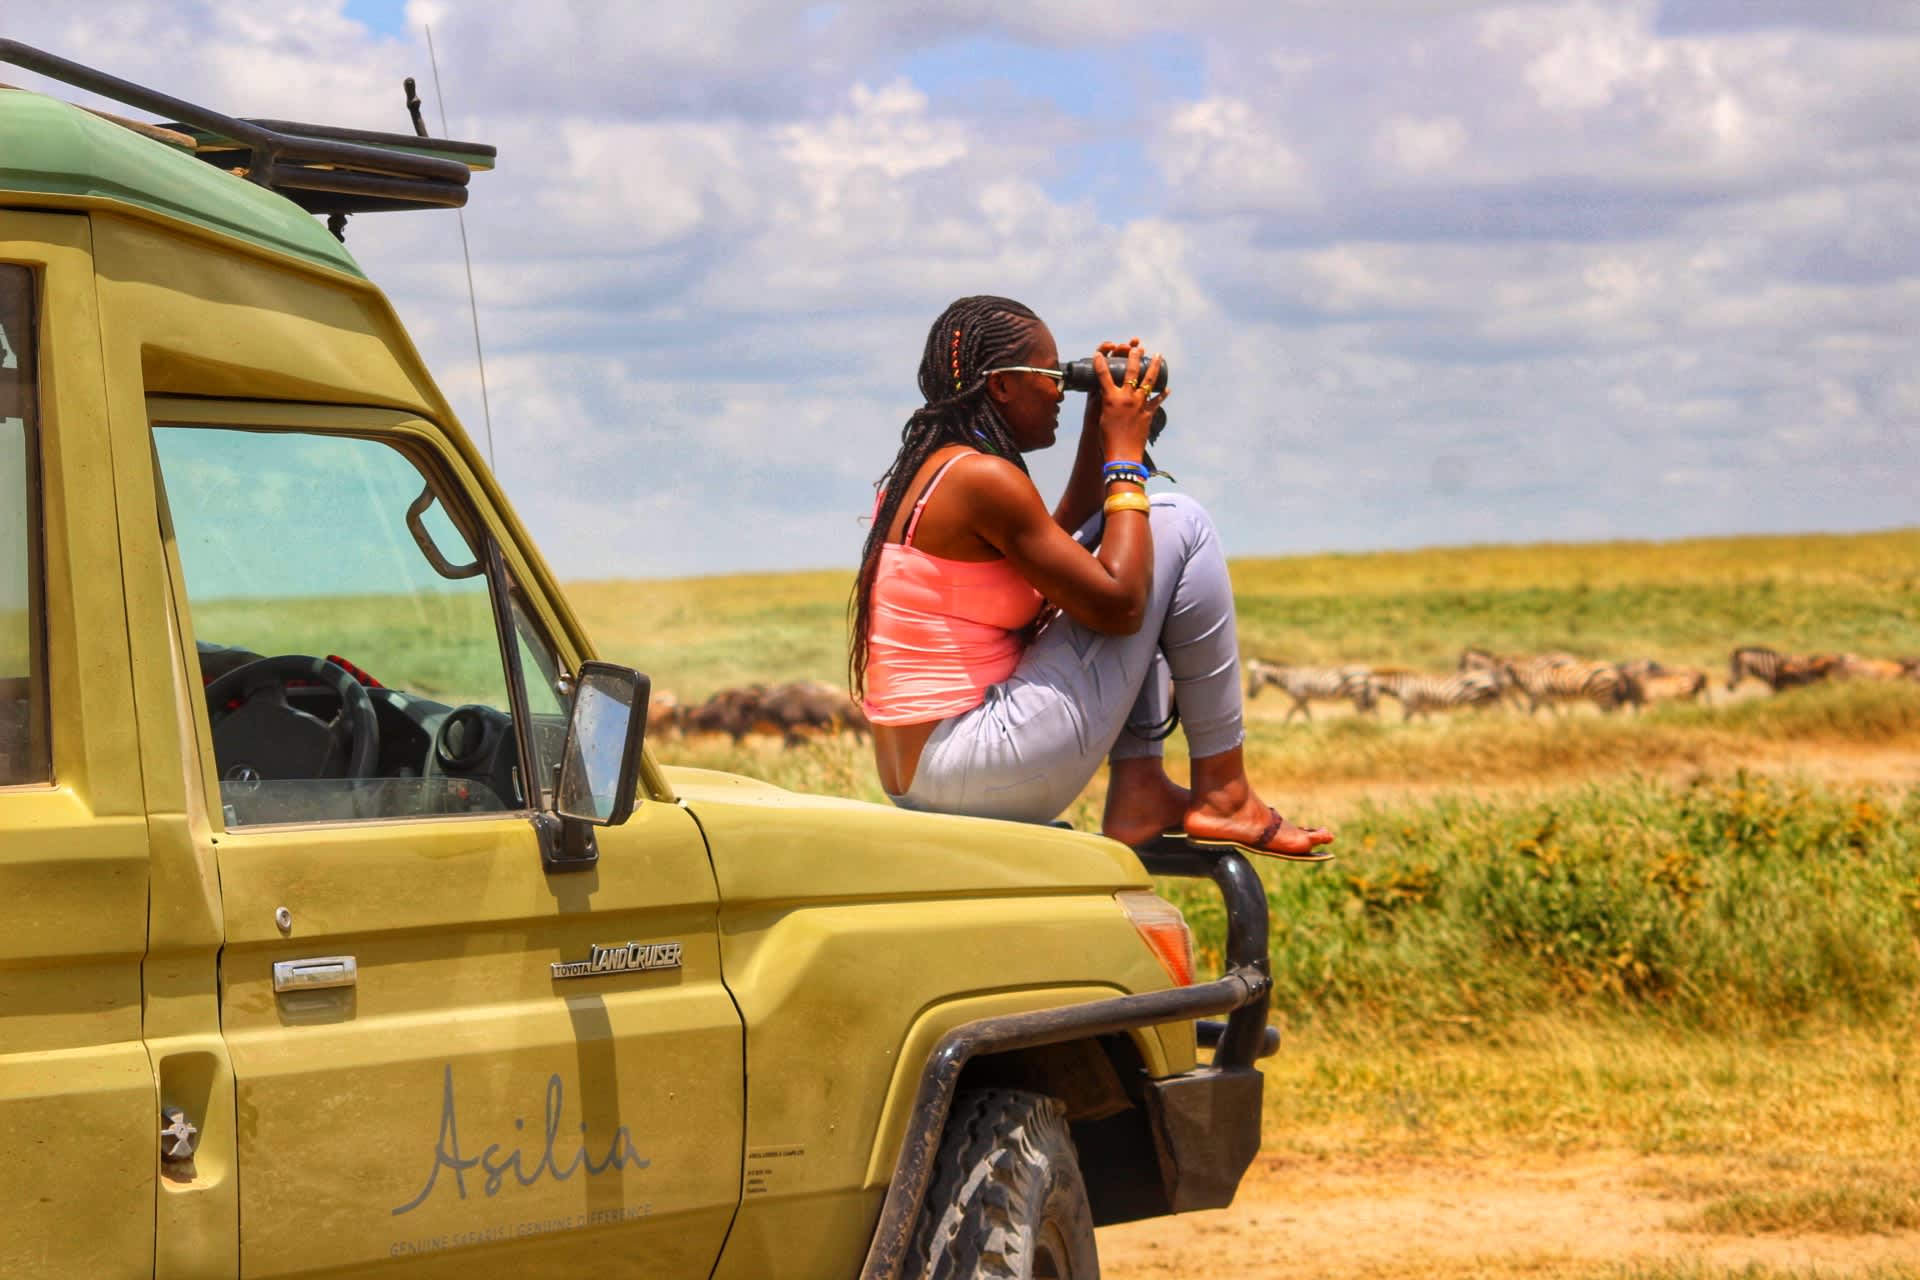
{"x": 770, "y": 844}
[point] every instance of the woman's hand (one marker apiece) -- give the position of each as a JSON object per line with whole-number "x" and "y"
{"x": 1124, "y": 410}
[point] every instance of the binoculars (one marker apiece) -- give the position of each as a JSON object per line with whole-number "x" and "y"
{"x": 1080, "y": 375}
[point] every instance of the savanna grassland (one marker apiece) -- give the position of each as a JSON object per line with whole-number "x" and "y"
{"x": 1624, "y": 996}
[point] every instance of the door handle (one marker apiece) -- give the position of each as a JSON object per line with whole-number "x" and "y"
{"x": 315, "y": 974}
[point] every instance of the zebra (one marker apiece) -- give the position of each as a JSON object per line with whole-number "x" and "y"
{"x": 1755, "y": 661}
{"x": 1502, "y": 666}
{"x": 1474, "y": 658}
{"x": 1602, "y": 683}
{"x": 1779, "y": 670}
{"x": 1304, "y": 684}
{"x": 1419, "y": 692}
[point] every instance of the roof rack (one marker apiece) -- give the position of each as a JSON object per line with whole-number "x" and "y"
{"x": 322, "y": 169}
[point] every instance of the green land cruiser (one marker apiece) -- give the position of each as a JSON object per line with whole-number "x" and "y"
{"x": 350, "y": 927}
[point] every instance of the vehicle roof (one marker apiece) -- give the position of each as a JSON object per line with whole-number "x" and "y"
{"x": 50, "y": 147}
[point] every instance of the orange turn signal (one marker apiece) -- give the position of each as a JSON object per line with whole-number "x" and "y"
{"x": 1163, "y": 929}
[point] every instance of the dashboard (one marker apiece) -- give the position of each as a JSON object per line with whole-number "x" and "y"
{"x": 431, "y": 757}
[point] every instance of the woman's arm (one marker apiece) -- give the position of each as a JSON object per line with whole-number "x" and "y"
{"x": 1106, "y": 591}
{"x": 1085, "y": 489}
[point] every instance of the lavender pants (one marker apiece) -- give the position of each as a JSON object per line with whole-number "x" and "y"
{"x": 1078, "y": 697}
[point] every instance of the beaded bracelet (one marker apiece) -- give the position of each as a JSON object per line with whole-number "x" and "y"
{"x": 1133, "y": 472}
{"x": 1126, "y": 502}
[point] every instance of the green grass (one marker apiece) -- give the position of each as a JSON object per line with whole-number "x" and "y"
{"x": 1694, "y": 623}
{"x": 1688, "y": 601}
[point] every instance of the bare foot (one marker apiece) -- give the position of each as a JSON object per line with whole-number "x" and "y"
{"x": 1142, "y": 801}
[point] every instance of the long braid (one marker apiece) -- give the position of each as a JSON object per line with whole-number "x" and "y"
{"x": 971, "y": 335}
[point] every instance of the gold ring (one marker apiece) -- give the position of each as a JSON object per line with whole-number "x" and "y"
{"x": 1132, "y": 383}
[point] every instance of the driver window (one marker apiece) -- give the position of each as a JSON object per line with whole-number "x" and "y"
{"x": 23, "y": 709}
{"x": 345, "y": 631}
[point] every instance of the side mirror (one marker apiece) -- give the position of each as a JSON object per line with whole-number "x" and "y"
{"x": 599, "y": 765}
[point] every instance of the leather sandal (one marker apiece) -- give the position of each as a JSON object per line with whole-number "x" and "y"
{"x": 1262, "y": 846}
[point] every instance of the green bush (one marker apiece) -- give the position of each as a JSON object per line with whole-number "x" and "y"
{"x": 1738, "y": 902}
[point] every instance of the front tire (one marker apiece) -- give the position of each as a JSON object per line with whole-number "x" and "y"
{"x": 1007, "y": 1201}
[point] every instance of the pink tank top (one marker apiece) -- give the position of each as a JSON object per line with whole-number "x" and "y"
{"x": 940, "y": 631}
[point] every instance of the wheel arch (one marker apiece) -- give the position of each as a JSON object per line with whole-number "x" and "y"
{"x": 1100, "y": 1080}
{"x": 1109, "y": 1060}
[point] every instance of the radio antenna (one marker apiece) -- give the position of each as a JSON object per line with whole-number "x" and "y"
{"x": 473, "y": 305}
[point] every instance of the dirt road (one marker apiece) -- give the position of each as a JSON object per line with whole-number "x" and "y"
{"x": 1582, "y": 1216}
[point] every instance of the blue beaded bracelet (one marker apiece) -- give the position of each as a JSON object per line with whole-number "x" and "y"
{"x": 1124, "y": 472}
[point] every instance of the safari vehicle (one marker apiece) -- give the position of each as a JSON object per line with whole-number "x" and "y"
{"x": 350, "y": 926}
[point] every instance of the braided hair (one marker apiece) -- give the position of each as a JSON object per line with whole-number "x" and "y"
{"x": 973, "y": 334}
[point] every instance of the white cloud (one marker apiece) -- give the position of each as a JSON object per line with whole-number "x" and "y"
{"x": 1598, "y": 272}
{"x": 1220, "y": 154}
{"x": 1421, "y": 146}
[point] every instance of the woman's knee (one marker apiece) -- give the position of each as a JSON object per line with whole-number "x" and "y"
{"x": 1177, "y": 509}
{"x": 1186, "y": 508}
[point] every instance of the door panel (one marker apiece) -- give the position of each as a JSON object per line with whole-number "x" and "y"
{"x": 458, "y": 1095}
{"x": 78, "y": 1113}
{"x": 439, "y": 1100}
{"x": 79, "y": 1119}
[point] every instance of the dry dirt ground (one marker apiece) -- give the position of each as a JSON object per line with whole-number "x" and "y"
{"x": 1591, "y": 1215}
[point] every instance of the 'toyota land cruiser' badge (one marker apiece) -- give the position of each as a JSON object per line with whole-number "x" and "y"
{"x": 627, "y": 957}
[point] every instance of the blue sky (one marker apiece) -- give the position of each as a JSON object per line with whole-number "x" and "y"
{"x": 1430, "y": 271}
{"x": 382, "y": 17}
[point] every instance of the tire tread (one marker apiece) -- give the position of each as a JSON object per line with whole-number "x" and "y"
{"x": 1002, "y": 1150}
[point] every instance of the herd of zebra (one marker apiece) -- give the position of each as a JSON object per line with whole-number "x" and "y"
{"x": 1532, "y": 681}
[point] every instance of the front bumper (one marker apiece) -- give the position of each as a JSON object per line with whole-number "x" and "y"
{"x": 1204, "y": 1124}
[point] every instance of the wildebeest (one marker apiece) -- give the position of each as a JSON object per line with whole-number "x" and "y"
{"x": 795, "y": 711}
{"x": 1671, "y": 684}
{"x": 1854, "y": 667}
{"x": 1351, "y": 683}
{"x": 806, "y": 707}
{"x": 1778, "y": 670}
{"x": 663, "y": 714}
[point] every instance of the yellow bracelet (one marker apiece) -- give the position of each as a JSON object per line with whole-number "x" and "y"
{"x": 1126, "y": 502}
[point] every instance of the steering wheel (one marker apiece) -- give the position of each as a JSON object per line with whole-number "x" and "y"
{"x": 266, "y": 739}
